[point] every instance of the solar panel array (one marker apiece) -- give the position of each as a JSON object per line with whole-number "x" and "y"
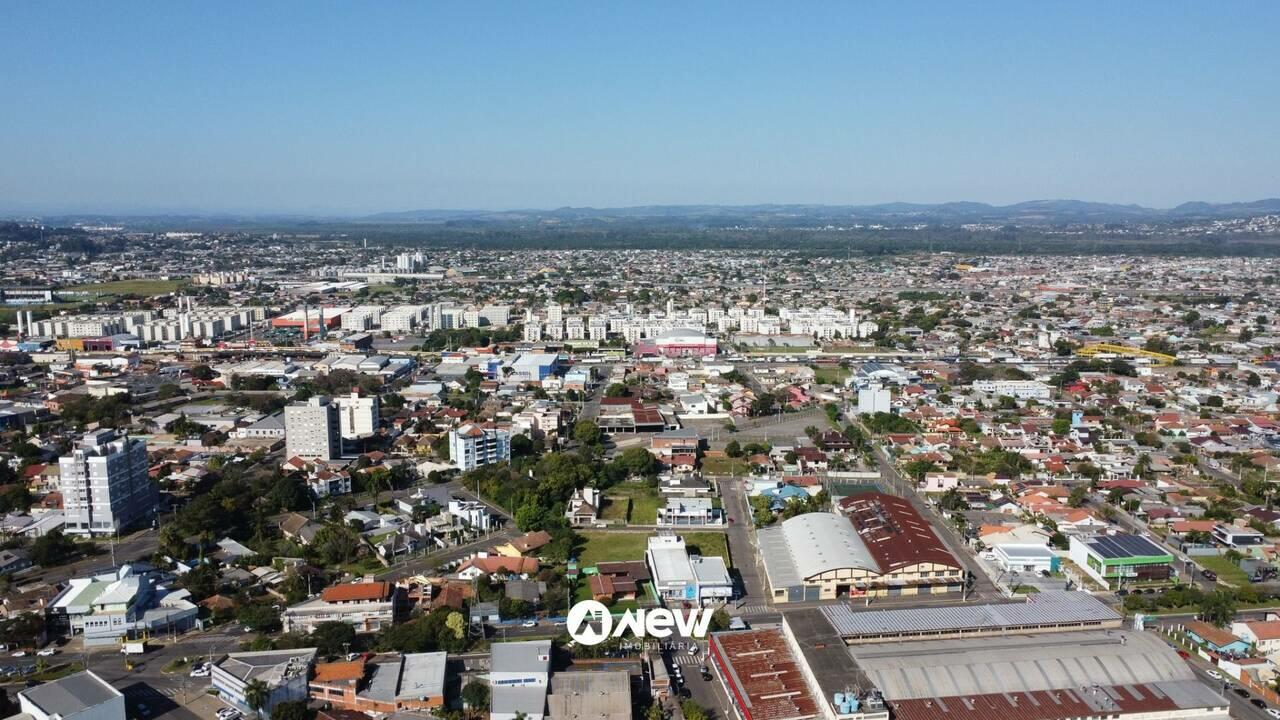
{"x": 1113, "y": 547}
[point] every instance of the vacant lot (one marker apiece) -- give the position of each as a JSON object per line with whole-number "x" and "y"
{"x": 633, "y": 503}
{"x": 603, "y": 546}
{"x": 830, "y": 374}
{"x": 725, "y": 466}
{"x": 1227, "y": 571}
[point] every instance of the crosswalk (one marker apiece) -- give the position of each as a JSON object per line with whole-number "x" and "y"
{"x": 684, "y": 659}
{"x": 755, "y": 609}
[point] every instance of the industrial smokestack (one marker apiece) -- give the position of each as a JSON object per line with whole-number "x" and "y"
{"x": 30, "y": 331}
{"x": 19, "y": 314}
{"x": 306, "y": 323}
{"x": 323, "y": 334}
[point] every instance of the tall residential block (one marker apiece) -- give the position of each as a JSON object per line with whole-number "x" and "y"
{"x": 105, "y": 485}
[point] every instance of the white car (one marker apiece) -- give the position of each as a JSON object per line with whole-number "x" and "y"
{"x": 529, "y": 623}
{"x": 228, "y": 713}
{"x": 1273, "y": 712}
{"x": 1213, "y": 674}
{"x": 47, "y": 652}
{"x": 20, "y": 653}
{"x": 693, "y": 649}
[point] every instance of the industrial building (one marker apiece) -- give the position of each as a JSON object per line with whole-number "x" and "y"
{"x": 1055, "y": 656}
{"x": 1113, "y": 674}
{"x": 1113, "y": 560}
{"x": 411, "y": 682}
{"x": 880, "y": 546}
{"x": 1045, "y": 612}
{"x": 598, "y": 695}
{"x": 518, "y": 677}
{"x": 765, "y": 680}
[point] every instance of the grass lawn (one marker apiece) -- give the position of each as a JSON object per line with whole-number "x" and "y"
{"x": 130, "y": 287}
{"x": 830, "y": 375}
{"x": 724, "y": 466}
{"x": 1226, "y": 570}
{"x": 710, "y": 544}
{"x": 635, "y": 503}
{"x": 599, "y": 546}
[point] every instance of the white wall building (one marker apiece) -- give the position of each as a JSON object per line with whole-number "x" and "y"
{"x": 105, "y": 486}
{"x": 312, "y": 430}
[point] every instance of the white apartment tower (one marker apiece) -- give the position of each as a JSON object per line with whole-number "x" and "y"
{"x": 105, "y": 485}
{"x": 312, "y": 430}
{"x": 471, "y": 446}
{"x": 357, "y": 416}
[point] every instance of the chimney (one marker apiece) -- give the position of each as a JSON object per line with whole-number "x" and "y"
{"x": 306, "y": 323}
{"x": 30, "y": 331}
{"x": 322, "y": 332}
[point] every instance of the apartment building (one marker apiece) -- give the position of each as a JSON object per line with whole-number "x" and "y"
{"x": 471, "y": 446}
{"x": 366, "y": 606}
{"x": 312, "y": 429}
{"x": 105, "y": 486}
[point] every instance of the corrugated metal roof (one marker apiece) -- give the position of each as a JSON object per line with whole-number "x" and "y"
{"x": 1019, "y": 663}
{"x": 1047, "y": 608}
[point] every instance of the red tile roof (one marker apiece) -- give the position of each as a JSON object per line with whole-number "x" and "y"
{"x": 357, "y": 592}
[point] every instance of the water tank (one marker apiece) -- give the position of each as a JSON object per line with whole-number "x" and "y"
{"x": 838, "y": 699}
{"x": 853, "y": 704}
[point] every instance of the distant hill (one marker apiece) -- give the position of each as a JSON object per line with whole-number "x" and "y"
{"x": 1029, "y": 213}
{"x": 1033, "y": 212}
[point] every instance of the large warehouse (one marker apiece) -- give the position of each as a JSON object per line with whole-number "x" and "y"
{"x": 1055, "y": 656}
{"x": 880, "y": 546}
{"x": 1096, "y": 673}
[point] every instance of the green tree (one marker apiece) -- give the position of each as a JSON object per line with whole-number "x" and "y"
{"x": 693, "y": 711}
{"x": 733, "y": 449}
{"x": 476, "y": 696}
{"x": 256, "y": 694}
{"x": 1218, "y": 608}
{"x": 292, "y": 710}
{"x": 53, "y": 548}
{"x": 616, "y": 390}
{"x": 332, "y": 638}
{"x": 587, "y": 433}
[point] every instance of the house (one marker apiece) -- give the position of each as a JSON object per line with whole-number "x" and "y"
{"x": 485, "y": 612}
{"x": 366, "y": 606}
{"x": 1263, "y": 635}
{"x": 1216, "y": 639}
{"x": 410, "y": 682}
{"x": 475, "y": 567}
{"x": 299, "y": 528}
{"x": 527, "y": 591}
{"x": 685, "y": 511}
{"x": 528, "y": 543}
{"x": 618, "y": 580}
{"x": 584, "y": 507}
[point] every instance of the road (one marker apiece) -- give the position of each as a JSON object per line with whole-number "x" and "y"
{"x": 982, "y": 585}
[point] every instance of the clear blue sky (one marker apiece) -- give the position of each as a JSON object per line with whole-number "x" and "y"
{"x": 370, "y": 106}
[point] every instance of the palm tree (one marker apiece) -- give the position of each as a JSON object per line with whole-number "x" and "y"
{"x": 256, "y": 694}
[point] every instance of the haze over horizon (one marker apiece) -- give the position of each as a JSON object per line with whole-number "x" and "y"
{"x": 352, "y": 110}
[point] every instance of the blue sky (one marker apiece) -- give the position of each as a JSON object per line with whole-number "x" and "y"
{"x": 351, "y": 108}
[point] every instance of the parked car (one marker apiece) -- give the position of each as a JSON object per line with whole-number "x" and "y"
{"x": 20, "y": 653}
{"x": 1213, "y": 674}
{"x": 529, "y": 623}
{"x": 47, "y": 652}
{"x": 1240, "y": 692}
{"x": 1258, "y": 703}
{"x": 1209, "y": 575}
{"x": 1273, "y": 712}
